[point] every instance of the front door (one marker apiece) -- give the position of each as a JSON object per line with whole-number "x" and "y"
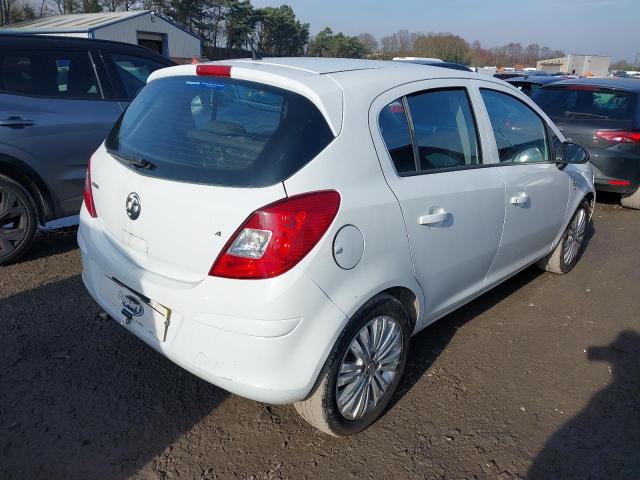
{"x": 537, "y": 190}
{"x": 431, "y": 153}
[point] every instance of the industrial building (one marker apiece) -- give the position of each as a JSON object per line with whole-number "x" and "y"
{"x": 141, "y": 27}
{"x": 583, "y": 65}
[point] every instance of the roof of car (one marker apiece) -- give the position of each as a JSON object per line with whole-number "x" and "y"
{"x": 439, "y": 63}
{"x": 319, "y": 65}
{"x": 56, "y": 41}
{"x": 609, "y": 82}
{"x": 326, "y": 81}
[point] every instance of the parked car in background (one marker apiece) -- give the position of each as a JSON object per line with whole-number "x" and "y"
{"x": 504, "y": 75}
{"x": 603, "y": 114}
{"x": 531, "y": 83}
{"x": 59, "y": 97}
{"x": 434, "y": 62}
{"x": 223, "y": 227}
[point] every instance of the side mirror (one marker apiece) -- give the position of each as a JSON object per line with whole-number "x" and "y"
{"x": 572, "y": 153}
{"x": 530, "y": 155}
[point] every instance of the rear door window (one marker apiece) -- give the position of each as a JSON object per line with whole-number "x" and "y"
{"x": 519, "y": 132}
{"x": 132, "y": 72}
{"x": 587, "y": 102}
{"x": 219, "y": 131}
{"x": 444, "y": 129}
{"x": 54, "y": 74}
{"x": 430, "y": 131}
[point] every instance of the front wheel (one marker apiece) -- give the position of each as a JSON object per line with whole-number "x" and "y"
{"x": 567, "y": 253}
{"x": 362, "y": 371}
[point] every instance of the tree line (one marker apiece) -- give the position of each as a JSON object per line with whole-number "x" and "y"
{"x": 235, "y": 27}
{"x": 454, "y": 48}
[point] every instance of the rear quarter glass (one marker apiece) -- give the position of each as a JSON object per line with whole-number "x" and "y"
{"x": 220, "y": 131}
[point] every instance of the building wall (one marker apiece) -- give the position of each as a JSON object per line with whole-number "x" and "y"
{"x": 180, "y": 44}
{"x": 595, "y": 65}
{"x": 552, "y": 65}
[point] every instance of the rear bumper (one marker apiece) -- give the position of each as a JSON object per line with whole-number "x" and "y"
{"x": 264, "y": 339}
{"x": 615, "y": 171}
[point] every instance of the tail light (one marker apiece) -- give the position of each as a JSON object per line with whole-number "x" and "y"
{"x": 618, "y": 136}
{"x": 620, "y": 183}
{"x": 88, "y": 193}
{"x": 276, "y": 237}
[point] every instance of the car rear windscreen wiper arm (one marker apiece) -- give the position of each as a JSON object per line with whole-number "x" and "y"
{"x": 138, "y": 162}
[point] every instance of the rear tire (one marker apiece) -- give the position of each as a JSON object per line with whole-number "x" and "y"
{"x": 371, "y": 385}
{"x": 569, "y": 250}
{"x": 631, "y": 201}
{"x": 18, "y": 220}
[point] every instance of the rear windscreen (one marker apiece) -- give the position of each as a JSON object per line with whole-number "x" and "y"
{"x": 219, "y": 131}
{"x": 587, "y": 102}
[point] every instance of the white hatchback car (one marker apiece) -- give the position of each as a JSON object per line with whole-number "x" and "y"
{"x": 280, "y": 228}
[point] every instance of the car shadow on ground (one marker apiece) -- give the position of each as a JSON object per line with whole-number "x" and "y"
{"x": 83, "y": 398}
{"x": 51, "y": 242}
{"x": 603, "y": 440}
{"x": 608, "y": 198}
{"x": 427, "y": 345}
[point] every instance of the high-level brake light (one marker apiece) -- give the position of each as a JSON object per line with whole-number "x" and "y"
{"x": 213, "y": 70}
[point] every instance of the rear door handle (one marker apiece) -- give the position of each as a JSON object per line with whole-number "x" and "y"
{"x": 16, "y": 122}
{"x": 520, "y": 199}
{"x": 438, "y": 216}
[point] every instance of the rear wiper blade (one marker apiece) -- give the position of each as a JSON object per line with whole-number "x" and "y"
{"x": 139, "y": 162}
{"x": 585, "y": 114}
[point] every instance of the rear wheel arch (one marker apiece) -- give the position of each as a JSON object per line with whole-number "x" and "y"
{"x": 409, "y": 300}
{"x": 591, "y": 200}
{"x": 21, "y": 173}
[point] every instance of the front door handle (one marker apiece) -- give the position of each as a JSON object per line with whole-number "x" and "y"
{"x": 520, "y": 199}
{"x": 16, "y": 122}
{"x": 437, "y": 215}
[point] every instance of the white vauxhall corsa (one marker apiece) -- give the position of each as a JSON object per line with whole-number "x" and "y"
{"x": 281, "y": 227}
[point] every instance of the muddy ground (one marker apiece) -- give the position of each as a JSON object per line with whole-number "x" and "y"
{"x": 537, "y": 379}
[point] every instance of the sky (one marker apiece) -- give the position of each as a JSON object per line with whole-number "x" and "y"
{"x": 592, "y": 27}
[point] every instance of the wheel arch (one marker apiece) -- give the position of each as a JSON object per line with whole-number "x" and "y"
{"x": 26, "y": 176}
{"x": 590, "y": 197}
{"x": 409, "y": 300}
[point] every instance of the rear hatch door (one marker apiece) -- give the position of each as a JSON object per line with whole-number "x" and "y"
{"x": 582, "y": 110}
{"x": 191, "y": 159}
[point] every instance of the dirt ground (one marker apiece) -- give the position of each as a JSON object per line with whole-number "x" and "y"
{"x": 538, "y": 379}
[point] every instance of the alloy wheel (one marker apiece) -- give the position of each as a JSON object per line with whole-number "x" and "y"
{"x": 575, "y": 236}
{"x": 14, "y": 222}
{"x": 369, "y": 367}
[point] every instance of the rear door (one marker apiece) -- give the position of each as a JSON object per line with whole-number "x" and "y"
{"x": 54, "y": 114}
{"x": 434, "y": 157}
{"x": 217, "y": 148}
{"x": 537, "y": 190}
